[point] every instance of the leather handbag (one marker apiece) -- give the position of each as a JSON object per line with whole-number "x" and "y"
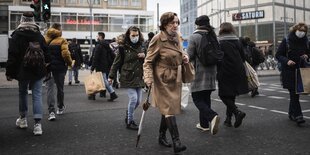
{"x": 188, "y": 73}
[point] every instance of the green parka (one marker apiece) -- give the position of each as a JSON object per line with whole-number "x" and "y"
{"x": 131, "y": 67}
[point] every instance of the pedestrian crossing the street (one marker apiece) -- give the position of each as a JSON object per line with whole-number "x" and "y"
{"x": 275, "y": 92}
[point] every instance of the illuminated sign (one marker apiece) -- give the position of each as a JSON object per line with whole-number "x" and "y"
{"x": 248, "y": 15}
{"x": 85, "y": 22}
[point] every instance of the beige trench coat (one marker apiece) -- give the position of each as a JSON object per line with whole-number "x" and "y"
{"x": 162, "y": 67}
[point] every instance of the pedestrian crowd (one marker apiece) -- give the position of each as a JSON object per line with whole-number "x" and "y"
{"x": 155, "y": 65}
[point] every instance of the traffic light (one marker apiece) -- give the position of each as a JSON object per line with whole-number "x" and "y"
{"x": 36, "y": 9}
{"x": 46, "y": 9}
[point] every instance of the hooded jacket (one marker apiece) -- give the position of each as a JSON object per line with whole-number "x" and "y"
{"x": 17, "y": 49}
{"x": 58, "y": 48}
{"x": 103, "y": 57}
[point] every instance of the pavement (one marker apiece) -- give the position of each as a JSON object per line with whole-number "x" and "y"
{"x": 83, "y": 73}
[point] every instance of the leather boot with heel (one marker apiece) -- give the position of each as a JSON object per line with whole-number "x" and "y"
{"x": 162, "y": 139}
{"x": 173, "y": 129}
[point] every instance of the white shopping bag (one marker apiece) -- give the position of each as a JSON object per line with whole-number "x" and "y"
{"x": 185, "y": 95}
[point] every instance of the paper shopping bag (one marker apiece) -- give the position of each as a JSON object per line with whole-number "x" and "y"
{"x": 303, "y": 81}
{"x": 94, "y": 83}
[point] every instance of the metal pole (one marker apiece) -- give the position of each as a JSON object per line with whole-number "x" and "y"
{"x": 91, "y": 25}
{"x": 157, "y": 17}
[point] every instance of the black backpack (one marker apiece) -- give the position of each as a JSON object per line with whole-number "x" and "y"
{"x": 209, "y": 52}
{"x": 34, "y": 57}
{"x": 257, "y": 56}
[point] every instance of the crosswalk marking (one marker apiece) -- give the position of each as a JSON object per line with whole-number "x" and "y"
{"x": 239, "y": 103}
{"x": 280, "y": 112}
{"x": 268, "y": 89}
{"x": 306, "y": 110}
{"x": 276, "y": 97}
{"x": 261, "y": 108}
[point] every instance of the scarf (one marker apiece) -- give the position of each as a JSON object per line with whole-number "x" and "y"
{"x": 174, "y": 37}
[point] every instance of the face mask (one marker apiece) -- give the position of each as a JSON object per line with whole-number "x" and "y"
{"x": 134, "y": 39}
{"x": 300, "y": 34}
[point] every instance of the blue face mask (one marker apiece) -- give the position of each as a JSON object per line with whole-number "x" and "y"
{"x": 134, "y": 39}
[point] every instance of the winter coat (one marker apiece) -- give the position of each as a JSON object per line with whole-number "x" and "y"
{"x": 103, "y": 59}
{"x": 131, "y": 74}
{"x": 297, "y": 47}
{"x": 17, "y": 49}
{"x": 232, "y": 80}
{"x": 162, "y": 68}
{"x": 205, "y": 76}
{"x": 76, "y": 54}
{"x": 58, "y": 47}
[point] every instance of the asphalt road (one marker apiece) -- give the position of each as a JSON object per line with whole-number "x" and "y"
{"x": 97, "y": 127}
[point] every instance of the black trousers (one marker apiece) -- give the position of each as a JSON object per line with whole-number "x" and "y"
{"x": 294, "y": 107}
{"x": 202, "y": 100}
{"x": 231, "y": 107}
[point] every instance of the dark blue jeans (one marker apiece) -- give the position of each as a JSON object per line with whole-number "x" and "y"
{"x": 202, "y": 100}
{"x": 294, "y": 108}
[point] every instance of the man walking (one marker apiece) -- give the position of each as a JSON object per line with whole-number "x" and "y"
{"x": 60, "y": 60}
{"x": 76, "y": 55}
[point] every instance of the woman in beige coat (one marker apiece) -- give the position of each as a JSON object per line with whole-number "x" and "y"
{"x": 162, "y": 71}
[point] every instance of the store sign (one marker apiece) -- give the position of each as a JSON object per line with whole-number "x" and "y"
{"x": 248, "y": 15}
{"x": 85, "y": 22}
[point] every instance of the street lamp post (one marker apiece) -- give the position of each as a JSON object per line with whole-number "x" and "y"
{"x": 91, "y": 24}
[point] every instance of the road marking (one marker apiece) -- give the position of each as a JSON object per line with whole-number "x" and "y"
{"x": 262, "y": 95}
{"x": 261, "y": 108}
{"x": 282, "y": 91}
{"x": 304, "y": 101}
{"x": 272, "y": 87}
{"x": 276, "y": 97}
{"x": 218, "y": 100}
{"x": 306, "y": 117}
{"x": 306, "y": 110}
{"x": 280, "y": 112}
{"x": 267, "y": 89}
{"x": 239, "y": 103}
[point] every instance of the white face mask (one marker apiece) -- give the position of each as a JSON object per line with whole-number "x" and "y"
{"x": 134, "y": 39}
{"x": 300, "y": 34}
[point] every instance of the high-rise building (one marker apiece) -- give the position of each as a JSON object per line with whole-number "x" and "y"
{"x": 264, "y": 21}
{"x": 188, "y": 14}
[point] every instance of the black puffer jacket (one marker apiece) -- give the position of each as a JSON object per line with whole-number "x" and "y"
{"x": 17, "y": 49}
{"x": 76, "y": 54}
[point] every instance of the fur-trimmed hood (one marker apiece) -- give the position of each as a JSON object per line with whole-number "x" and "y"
{"x": 52, "y": 33}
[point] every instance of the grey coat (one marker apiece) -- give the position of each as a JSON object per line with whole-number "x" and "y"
{"x": 205, "y": 76}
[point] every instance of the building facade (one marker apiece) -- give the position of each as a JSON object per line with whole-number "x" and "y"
{"x": 188, "y": 14}
{"x": 264, "y": 21}
{"x": 83, "y": 21}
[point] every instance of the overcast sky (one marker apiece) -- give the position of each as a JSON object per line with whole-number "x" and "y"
{"x": 164, "y": 6}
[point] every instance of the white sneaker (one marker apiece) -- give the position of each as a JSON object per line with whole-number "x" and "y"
{"x": 37, "y": 129}
{"x": 21, "y": 122}
{"x": 29, "y": 92}
{"x": 61, "y": 110}
{"x": 215, "y": 125}
{"x": 198, "y": 126}
{"x": 51, "y": 116}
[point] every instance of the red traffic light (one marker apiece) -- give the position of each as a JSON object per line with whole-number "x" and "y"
{"x": 36, "y": 1}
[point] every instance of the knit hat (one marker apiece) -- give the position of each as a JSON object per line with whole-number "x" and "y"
{"x": 202, "y": 20}
{"x": 27, "y": 17}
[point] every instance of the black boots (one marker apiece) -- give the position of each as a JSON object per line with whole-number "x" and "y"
{"x": 132, "y": 126}
{"x": 173, "y": 129}
{"x": 162, "y": 139}
{"x": 227, "y": 121}
{"x": 103, "y": 93}
{"x": 239, "y": 116}
{"x": 92, "y": 97}
{"x": 113, "y": 96}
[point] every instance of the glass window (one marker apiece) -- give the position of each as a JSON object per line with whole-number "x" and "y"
{"x": 265, "y": 32}
{"x": 71, "y": 1}
{"x": 247, "y": 2}
{"x": 55, "y": 19}
{"x": 86, "y": 2}
{"x": 26, "y": 0}
{"x": 69, "y": 21}
{"x": 300, "y": 3}
{"x": 15, "y": 19}
{"x": 299, "y": 16}
{"x": 136, "y": 2}
{"x": 101, "y": 21}
{"x": 307, "y": 20}
{"x": 131, "y": 20}
{"x": 116, "y": 24}
{"x": 54, "y": 1}
{"x": 248, "y": 30}
{"x": 290, "y": 2}
{"x": 123, "y": 2}
{"x": 279, "y": 14}
{"x": 112, "y": 2}
{"x": 84, "y": 23}
{"x": 264, "y": 1}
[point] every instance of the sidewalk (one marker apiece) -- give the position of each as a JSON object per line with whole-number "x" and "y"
{"x": 83, "y": 73}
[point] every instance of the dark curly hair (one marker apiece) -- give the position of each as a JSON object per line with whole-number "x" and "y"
{"x": 136, "y": 29}
{"x": 166, "y": 18}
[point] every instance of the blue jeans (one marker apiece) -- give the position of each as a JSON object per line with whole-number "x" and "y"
{"x": 202, "y": 100}
{"x": 135, "y": 97}
{"x": 36, "y": 86}
{"x": 58, "y": 79}
{"x": 106, "y": 83}
{"x": 75, "y": 72}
